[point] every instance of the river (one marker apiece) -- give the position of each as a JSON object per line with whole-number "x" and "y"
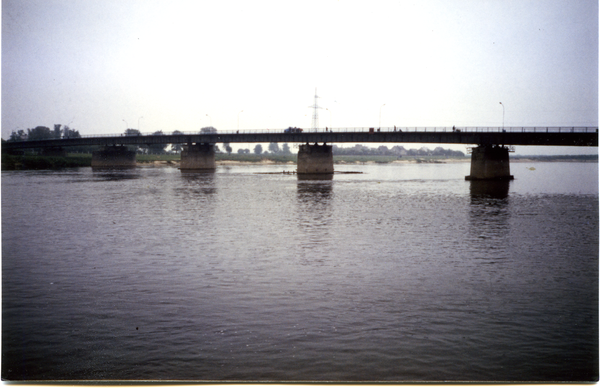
{"x": 401, "y": 272}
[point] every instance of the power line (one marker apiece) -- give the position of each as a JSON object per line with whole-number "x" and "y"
{"x": 315, "y": 117}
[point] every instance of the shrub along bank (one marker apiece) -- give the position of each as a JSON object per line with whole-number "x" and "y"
{"x": 35, "y": 162}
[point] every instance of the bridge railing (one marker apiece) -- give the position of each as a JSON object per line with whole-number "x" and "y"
{"x": 382, "y": 129}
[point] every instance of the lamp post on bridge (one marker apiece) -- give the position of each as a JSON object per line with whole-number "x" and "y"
{"x": 68, "y": 128}
{"x": 126, "y": 125}
{"x": 139, "y": 128}
{"x": 380, "y": 115}
{"x": 502, "y": 115}
{"x": 327, "y": 109}
{"x": 238, "y": 128}
{"x": 209, "y": 119}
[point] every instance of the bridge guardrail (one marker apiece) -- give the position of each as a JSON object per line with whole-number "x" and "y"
{"x": 383, "y": 129}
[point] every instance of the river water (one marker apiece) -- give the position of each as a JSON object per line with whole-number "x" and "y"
{"x": 405, "y": 272}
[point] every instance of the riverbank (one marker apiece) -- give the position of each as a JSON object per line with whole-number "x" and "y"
{"x": 33, "y": 162}
{"x": 555, "y": 158}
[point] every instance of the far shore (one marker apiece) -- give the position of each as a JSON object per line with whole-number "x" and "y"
{"x": 34, "y": 162}
{"x": 366, "y": 161}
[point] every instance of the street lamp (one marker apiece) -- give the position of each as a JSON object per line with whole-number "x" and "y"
{"x": 502, "y": 115}
{"x": 140, "y": 129}
{"x": 209, "y": 119}
{"x": 68, "y": 128}
{"x": 329, "y": 117}
{"x": 380, "y": 115}
{"x": 126, "y": 125}
{"x": 239, "y": 120}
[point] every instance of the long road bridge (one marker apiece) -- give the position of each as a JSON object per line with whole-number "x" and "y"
{"x": 489, "y": 159}
{"x": 530, "y": 136}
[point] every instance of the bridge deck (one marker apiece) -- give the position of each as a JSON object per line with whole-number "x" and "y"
{"x": 533, "y": 136}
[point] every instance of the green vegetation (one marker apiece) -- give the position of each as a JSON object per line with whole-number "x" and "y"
{"x": 558, "y": 158}
{"x": 44, "y": 133}
{"x": 254, "y": 158}
{"x": 145, "y": 158}
{"x": 360, "y": 149}
{"x": 363, "y": 158}
{"x": 35, "y": 162}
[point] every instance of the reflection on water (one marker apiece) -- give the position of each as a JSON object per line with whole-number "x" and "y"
{"x": 319, "y": 192}
{"x": 315, "y": 198}
{"x": 315, "y": 177}
{"x": 489, "y": 212}
{"x": 198, "y": 177}
{"x": 315, "y": 218}
{"x": 492, "y": 189}
{"x": 197, "y": 183}
{"x": 115, "y": 174}
{"x": 242, "y": 276}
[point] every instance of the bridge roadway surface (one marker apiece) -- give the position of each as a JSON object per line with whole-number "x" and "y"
{"x": 525, "y": 136}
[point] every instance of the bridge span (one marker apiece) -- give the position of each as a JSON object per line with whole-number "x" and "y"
{"x": 527, "y": 136}
{"x": 489, "y": 159}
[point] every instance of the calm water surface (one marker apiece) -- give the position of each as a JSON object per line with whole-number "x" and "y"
{"x": 402, "y": 273}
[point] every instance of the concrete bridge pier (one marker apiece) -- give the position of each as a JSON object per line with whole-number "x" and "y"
{"x": 113, "y": 157}
{"x": 490, "y": 162}
{"x": 200, "y": 156}
{"x": 315, "y": 159}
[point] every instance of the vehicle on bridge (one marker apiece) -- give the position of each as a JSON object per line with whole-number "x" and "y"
{"x": 208, "y": 130}
{"x": 293, "y": 130}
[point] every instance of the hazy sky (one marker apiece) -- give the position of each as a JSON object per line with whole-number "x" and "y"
{"x": 100, "y": 66}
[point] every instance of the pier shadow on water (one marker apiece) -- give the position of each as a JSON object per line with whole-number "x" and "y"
{"x": 315, "y": 189}
{"x": 315, "y": 177}
{"x": 198, "y": 175}
{"x": 315, "y": 192}
{"x": 489, "y": 189}
{"x": 489, "y": 212}
{"x": 198, "y": 182}
{"x": 315, "y": 220}
{"x": 115, "y": 174}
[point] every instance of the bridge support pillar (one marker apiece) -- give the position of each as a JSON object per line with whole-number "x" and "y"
{"x": 315, "y": 159}
{"x": 199, "y": 156}
{"x": 490, "y": 162}
{"x": 113, "y": 157}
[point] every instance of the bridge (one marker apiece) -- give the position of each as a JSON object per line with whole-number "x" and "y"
{"x": 489, "y": 159}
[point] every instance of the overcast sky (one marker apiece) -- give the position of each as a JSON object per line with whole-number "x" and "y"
{"x": 101, "y": 66}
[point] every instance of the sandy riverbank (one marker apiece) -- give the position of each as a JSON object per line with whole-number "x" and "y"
{"x": 175, "y": 163}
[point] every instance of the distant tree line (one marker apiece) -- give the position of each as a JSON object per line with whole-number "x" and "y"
{"x": 399, "y": 151}
{"x": 63, "y": 131}
{"x": 273, "y": 149}
{"x": 284, "y": 150}
{"x": 44, "y": 133}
